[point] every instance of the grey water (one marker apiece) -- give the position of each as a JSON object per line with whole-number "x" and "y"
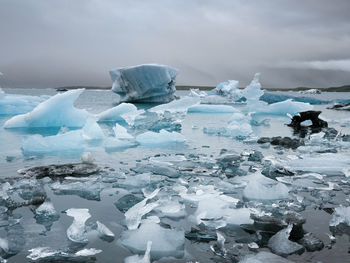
{"x": 99, "y": 193}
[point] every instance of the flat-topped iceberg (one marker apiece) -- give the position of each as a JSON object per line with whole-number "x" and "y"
{"x": 57, "y": 111}
{"x": 145, "y": 83}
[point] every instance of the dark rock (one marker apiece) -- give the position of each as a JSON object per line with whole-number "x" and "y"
{"x": 285, "y": 142}
{"x": 317, "y": 123}
{"x": 311, "y": 243}
{"x": 341, "y": 107}
{"x": 268, "y": 223}
{"x": 264, "y": 140}
{"x": 60, "y": 170}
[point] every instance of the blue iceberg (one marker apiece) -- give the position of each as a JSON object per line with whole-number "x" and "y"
{"x": 145, "y": 83}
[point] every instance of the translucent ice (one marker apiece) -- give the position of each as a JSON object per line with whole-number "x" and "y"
{"x": 47, "y": 254}
{"x": 114, "y": 144}
{"x": 341, "y": 215}
{"x": 229, "y": 89}
{"x": 115, "y": 113}
{"x": 57, "y": 111}
{"x": 165, "y": 242}
{"x": 176, "y": 106}
{"x": 134, "y": 215}
{"x": 71, "y": 141}
{"x": 139, "y": 259}
{"x": 281, "y": 245}
{"x": 159, "y": 139}
{"x": 204, "y": 108}
{"x": 104, "y": 232}
{"x": 77, "y": 230}
{"x": 121, "y": 133}
{"x": 170, "y": 208}
{"x": 145, "y": 83}
{"x": 262, "y": 188}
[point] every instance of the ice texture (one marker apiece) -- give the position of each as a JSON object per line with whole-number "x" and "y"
{"x": 77, "y": 230}
{"x": 104, "y": 232}
{"x": 176, "y": 106}
{"x": 47, "y": 254}
{"x": 264, "y": 257}
{"x": 165, "y": 242}
{"x": 281, "y": 245}
{"x": 121, "y": 133}
{"x": 134, "y": 215}
{"x": 115, "y": 113}
{"x": 229, "y": 89}
{"x": 87, "y": 158}
{"x": 163, "y": 138}
{"x": 204, "y": 108}
{"x": 145, "y": 83}
{"x": 146, "y": 258}
{"x": 57, "y": 111}
{"x": 114, "y": 144}
{"x": 341, "y": 215}
{"x": 262, "y": 188}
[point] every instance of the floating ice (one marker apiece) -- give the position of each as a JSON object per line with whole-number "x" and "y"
{"x": 263, "y": 188}
{"x": 114, "y": 144}
{"x": 77, "y": 231}
{"x": 281, "y": 245}
{"x": 46, "y": 253}
{"x": 139, "y": 259}
{"x": 170, "y": 208}
{"x": 115, "y": 113}
{"x": 134, "y": 215}
{"x": 197, "y": 93}
{"x": 71, "y": 141}
{"x": 131, "y": 117}
{"x": 264, "y": 257}
{"x": 104, "y": 232}
{"x": 87, "y": 252}
{"x": 203, "y": 108}
{"x": 145, "y": 83}
{"x": 341, "y": 215}
{"x": 176, "y": 106}
{"x": 121, "y": 133}
{"x": 154, "y": 139}
{"x": 57, "y": 111}
{"x": 229, "y": 89}
{"x": 165, "y": 242}
{"x": 87, "y": 158}
{"x": 46, "y": 214}
{"x": 239, "y": 126}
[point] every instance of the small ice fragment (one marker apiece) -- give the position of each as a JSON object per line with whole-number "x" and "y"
{"x": 87, "y": 252}
{"x": 281, "y": 245}
{"x": 77, "y": 231}
{"x": 341, "y": 215}
{"x": 104, "y": 232}
{"x": 138, "y": 259}
{"x": 134, "y": 215}
{"x": 87, "y": 157}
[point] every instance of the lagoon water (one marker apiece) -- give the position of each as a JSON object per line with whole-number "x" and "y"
{"x": 196, "y": 165}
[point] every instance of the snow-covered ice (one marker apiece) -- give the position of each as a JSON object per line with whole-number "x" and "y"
{"x": 145, "y": 83}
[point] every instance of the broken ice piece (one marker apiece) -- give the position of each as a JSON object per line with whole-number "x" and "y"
{"x": 104, "y": 233}
{"x": 139, "y": 259}
{"x": 77, "y": 230}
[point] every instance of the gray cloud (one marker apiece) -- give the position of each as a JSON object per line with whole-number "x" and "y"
{"x": 63, "y": 42}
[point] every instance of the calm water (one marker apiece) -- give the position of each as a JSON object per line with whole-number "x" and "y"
{"x": 206, "y": 147}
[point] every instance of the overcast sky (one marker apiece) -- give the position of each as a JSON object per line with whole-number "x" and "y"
{"x": 51, "y": 43}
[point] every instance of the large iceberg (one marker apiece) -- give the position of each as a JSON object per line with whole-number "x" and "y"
{"x": 145, "y": 83}
{"x": 57, "y": 111}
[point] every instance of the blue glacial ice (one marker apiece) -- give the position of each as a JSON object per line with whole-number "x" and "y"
{"x": 115, "y": 113}
{"x": 66, "y": 141}
{"x": 161, "y": 138}
{"x": 205, "y": 108}
{"x": 57, "y": 111}
{"x": 145, "y": 83}
{"x": 122, "y": 139}
{"x": 176, "y": 106}
{"x": 341, "y": 215}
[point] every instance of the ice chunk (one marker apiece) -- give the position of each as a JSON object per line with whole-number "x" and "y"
{"x": 281, "y": 245}
{"x": 264, "y": 257}
{"x": 286, "y": 107}
{"x": 176, "y": 106}
{"x": 170, "y": 208}
{"x": 87, "y": 252}
{"x": 46, "y": 214}
{"x": 77, "y": 230}
{"x": 114, "y": 144}
{"x": 145, "y": 83}
{"x": 104, "y": 232}
{"x": 115, "y": 113}
{"x": 46, "y": 253}
{"x": 341, "y": 215}
{"x": 165, "y": 242}
{"x": 87, "y": 158}
{"x": 229, "y": 89}
{"x": 71, "y": 141}
{"x": 219, "y": 247}
{"x": 253, "y": 91}
{"x": 121, "y": 133}
{"x": 239, "y": 125}
{"x": 263, "y": 188}
{"x": 204, "y": 108}
{"x": 57, "y": 111}
{"x": 138, "y": 259}
{"x": 197, "y": 93}
{"x": 134, "y": 215}
{"x": 131, "y": 117}
{"x": 159, "y": 139}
